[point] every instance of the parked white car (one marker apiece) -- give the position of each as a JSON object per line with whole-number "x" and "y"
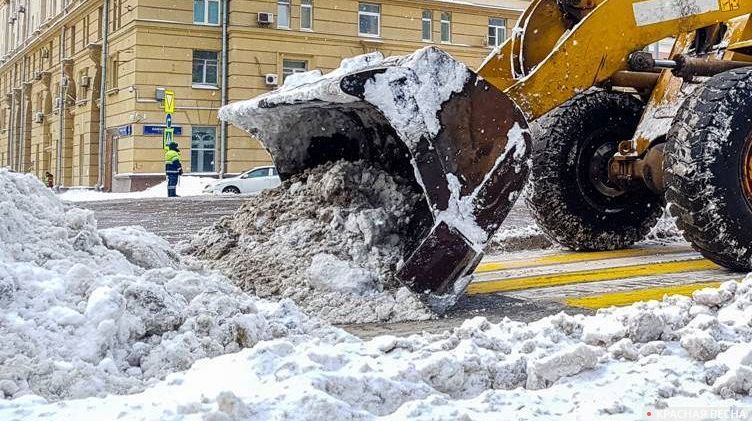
{"x": 249, "y": 182}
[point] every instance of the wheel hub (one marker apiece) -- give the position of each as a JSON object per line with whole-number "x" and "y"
{"x": 598, "y": 171}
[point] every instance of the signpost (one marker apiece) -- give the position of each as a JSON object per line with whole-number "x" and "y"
{"x": 168, "y": 135}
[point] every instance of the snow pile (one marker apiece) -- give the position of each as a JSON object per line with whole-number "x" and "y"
{"x": 88, "y": 312}
{"x": 330, "y": 238}
{"x": 620, "y": 363}
{"x": 665, "y": 231}
{"x": 188, "y": 186}
{"x": 515, "y": 238}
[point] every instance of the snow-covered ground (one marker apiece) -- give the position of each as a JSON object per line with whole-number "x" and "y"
{"x": 92, "y": 320}
{"x": 189, "y": 186}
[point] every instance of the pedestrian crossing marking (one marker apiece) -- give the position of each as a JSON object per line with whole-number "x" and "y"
{"x": 592, "y": 275}
{"x": 624, "y": 298}
{"x": 575, "y": 257}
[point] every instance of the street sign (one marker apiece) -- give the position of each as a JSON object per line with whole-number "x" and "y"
{"x": 169, "y": 102}
{"x": 159, "y": 130}
{"x": 168, "y": 120}
{"x": 125, "y": 131}
{"x": 168, "y": 136}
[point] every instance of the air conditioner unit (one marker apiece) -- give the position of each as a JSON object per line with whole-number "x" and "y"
{"x": 37, "y": 75}
{"x": 12, "y": 20}
{"x": 265, "y": 18}
{"x": 84, "y": 82}
{"x": 38, "y": 117}
{"x": 21, "y": 8}
{"x": 56, "y": 103}
{"x": 45, "y": 53}
{"x": 271, "y": 79}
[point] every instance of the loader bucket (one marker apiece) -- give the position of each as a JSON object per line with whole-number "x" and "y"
{"x": 425, "y": 117}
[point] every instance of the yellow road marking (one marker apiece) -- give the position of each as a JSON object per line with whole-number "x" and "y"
{"x": 625, "y": 298}
{"x": 575, "y": 258}
{"x": 593, "y": 275}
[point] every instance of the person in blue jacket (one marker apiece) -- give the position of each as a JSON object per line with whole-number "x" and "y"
{"x": 173, "y": 168}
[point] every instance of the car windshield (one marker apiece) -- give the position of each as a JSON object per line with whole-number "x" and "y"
{"x": 260, "y": 172}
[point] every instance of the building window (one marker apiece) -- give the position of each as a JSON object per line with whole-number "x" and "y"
{"x": 83, "y": 91}
{"x": 206, "y": 12}
{"x": 446, "y": 27}
{"x": 369, "y": 20}
{"x": 205, "y": 68}
{"x": 306, "y": 14}
{"x": 497, "y": 31}
{"x": 86, "y": 31}
{"x": 39, "y": 103}
{"x": 283, "y": 14}
{"x": 427, "y": 25}
{"x": 293, "y": 66}
{"x": 100, "y": 12}
{"x": 112, "y": 72}
{"x": 203, "y": 148}
{"x": 72, "y": 40}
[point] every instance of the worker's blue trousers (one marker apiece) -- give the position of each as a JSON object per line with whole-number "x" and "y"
{"x": 172, "y": 185}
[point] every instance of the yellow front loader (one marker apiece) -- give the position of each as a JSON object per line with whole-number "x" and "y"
{"x": 608, "y": 133}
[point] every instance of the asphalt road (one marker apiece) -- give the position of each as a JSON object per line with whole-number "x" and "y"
{"x": 175, "y": 219}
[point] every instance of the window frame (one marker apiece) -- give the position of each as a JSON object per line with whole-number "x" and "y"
{"x": 113, "y": 77}
{"x": 206, "y": 21}
{"x": 288, "y": 5}
{"x": 306, "y": 4}
{"x": 429, "y": 20}
{"x": 377, "y": 15}
{"x": 294, "y": 69}
{"x": 496, "y": 29}
{"x": 448, "y": 22}
{"x": 202, "y": 150}
{"x": 204, "y": 83}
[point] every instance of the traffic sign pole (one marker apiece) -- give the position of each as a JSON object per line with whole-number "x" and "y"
{"x": 168, "y": 135}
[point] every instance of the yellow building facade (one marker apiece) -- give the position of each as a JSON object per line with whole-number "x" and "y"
{"x": 51, "y": 73}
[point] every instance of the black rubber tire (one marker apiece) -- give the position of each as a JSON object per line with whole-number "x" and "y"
{"x": 562, "y": 198}
{"x": 705, "y": 157}
{"x": 231, "y": 189}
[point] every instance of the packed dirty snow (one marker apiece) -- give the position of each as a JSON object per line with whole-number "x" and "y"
{"x": 88, "y": 312}
{"x": 330, "y": 239}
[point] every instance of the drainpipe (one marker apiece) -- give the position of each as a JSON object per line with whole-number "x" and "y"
{"x": 103, "y": 94}
{"x": 11, "y": 128}
{"x": 61, "y": 111}
{"x": 223, "y": 124}
{"x": 22, "y": 126}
